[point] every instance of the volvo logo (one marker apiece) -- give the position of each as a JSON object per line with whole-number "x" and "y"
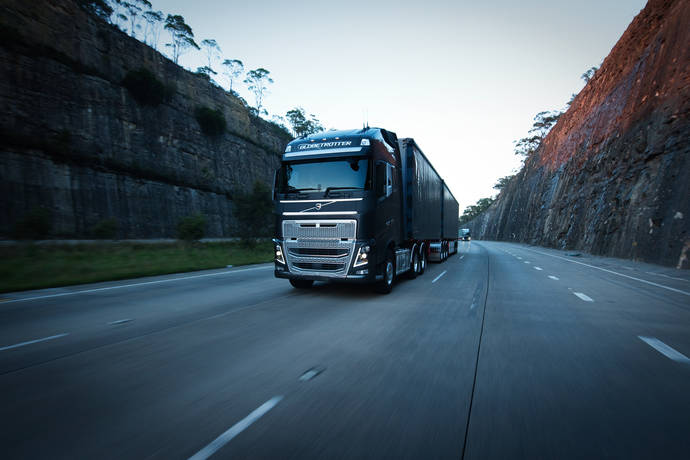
{"x": 318, "y": 206}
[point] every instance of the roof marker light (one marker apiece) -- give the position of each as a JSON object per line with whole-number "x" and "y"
{"x": 364, "y": 142}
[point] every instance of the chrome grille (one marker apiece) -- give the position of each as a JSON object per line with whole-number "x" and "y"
{"x": 319, "y": 229}
{"x": 319, "y": 247}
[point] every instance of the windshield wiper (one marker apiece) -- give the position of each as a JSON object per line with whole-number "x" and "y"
{"x": 297, "y": 190}
{"x": 329, "y": 189}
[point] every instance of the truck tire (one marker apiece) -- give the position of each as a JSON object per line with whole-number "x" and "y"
{"x": 422, "y": 259}
{"x": 301, "y": 284}
{"x": 414, "y": 266}
{"x": 385, "y": 286}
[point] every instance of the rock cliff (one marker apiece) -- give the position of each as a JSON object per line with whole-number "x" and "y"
{"x": 74, "y": 141}
{"x": 613, "y": 175}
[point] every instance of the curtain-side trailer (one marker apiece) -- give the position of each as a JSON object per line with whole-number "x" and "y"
{"x": 360, "y": 206}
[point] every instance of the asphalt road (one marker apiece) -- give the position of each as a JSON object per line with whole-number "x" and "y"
{"x": 504, "y": 351}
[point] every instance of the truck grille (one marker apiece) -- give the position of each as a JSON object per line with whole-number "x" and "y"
{"x": 322, "y": 248}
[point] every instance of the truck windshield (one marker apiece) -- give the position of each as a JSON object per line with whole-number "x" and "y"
{"x": 325, "y": 176}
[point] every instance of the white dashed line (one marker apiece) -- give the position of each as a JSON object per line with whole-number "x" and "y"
{"x": 665, "y": 350}
{"x": 554, "y": 277}
{"x": 584, "y": 297}
{"x": 236, "y": 429}
{"x": 44, "y": 339}
{"x": 519, "y": 258}
{"x": 679, "y": 291}
{"x": 538, "y": 268}
{"x": 439, "y": 276}
{"x": 169, "y": 280}
{"x": 527, "y": 261}
{"x": 120, "y": 321}
{"x": 462, "y": 256}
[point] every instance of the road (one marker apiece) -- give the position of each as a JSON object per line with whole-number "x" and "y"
{"x": 503, "y": 351}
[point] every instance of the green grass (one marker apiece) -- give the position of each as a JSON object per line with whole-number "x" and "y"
{"x": 31, "y": 266}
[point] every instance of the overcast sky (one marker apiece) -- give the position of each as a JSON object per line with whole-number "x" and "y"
{"x": 464, "y": 78}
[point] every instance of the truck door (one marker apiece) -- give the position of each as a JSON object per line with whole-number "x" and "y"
{"x": 385, "y": 207}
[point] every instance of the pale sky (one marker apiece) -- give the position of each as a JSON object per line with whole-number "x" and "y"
{"x": 464, "y": 79}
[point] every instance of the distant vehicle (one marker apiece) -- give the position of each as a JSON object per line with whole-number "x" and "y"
{"x": 360, "y": 206}
{"x": 465, "y": 234}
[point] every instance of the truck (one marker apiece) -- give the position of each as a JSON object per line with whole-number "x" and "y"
{"x": 360, "y": 206}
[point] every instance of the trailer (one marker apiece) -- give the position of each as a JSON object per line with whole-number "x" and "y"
{"x": 360, "y": 206}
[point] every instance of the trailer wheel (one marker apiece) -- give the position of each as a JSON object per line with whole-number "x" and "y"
{"x": 301, "y": 284}
{"x": 422, "y": 259}
{"x": 385, "y": 286}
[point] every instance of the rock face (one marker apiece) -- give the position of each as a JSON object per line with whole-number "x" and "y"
{"x": 613, "y": 175}
{"x": 74, "y": 141}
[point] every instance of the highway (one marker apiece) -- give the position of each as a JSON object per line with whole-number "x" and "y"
{"x": 503, "y": 351}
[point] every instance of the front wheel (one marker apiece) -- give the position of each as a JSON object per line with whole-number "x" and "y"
{"x": 385, "y": 286}
{"x": 302, "y": 284}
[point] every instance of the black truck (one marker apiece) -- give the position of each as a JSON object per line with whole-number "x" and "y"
{"x": 360, "y": 206}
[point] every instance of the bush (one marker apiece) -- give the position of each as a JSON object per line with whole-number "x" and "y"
{"x": 254, "y": 211}
{"x": 211, "y": 122}
{"x": 36, "y": 224}
{"x": 105, "y": 229}
{"x": 145, "y": 88}
{"x": 191, "y": 228}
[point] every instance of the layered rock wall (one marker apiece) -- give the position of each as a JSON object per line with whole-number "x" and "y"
{"x": 74, "y": 141}
{"x": 613, "y": 175}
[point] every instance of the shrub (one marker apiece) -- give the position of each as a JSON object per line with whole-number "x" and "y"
{"x": 105, "y": 229}
{"x": 254, "y": 211}
{"x": 211, "y": 122}
{"x": 36, "y": 224}
{"x": 145, "y": 88}
{"x": 191, "y": 228}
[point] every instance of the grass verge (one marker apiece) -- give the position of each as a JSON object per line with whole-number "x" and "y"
{"x": 31, "y": 266}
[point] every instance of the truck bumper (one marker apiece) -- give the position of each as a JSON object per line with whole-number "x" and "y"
{"x": 369, "y": 278}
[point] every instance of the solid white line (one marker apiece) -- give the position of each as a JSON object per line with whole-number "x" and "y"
{"x": 584, "y": 297}
{"x": 665, "y": 350}
{"x": 169, "y": 280}
{"x": 553, "y": 277}
{"x": 436, "y": 279}
{"x": 615, "y": 273}
{"x": 538, "y": 268}
{"x": 236, "y": 429}
{"x": 666, "y": 276}
{"x": 17, "y": 345}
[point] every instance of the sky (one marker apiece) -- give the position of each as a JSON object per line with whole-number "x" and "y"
{"x": 463, "y": 78}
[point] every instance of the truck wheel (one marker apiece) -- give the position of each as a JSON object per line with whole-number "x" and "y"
{"x": 385, "y": 286}
{"x": 422, "y": 260}
{"x": 302, "y": 284}
{"x": 414, "y": 266}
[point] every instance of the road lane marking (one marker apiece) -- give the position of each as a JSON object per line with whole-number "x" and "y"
{"x": 666, "y": 276}
{"x": 554, "y": 277}
{"x": 584, "y": 297}
{"x": 439, "y": 276}
{"x": 538, "y": 268}
{"x": 236, "y": 429}
{"x": 614, "y": 273}
{"x": 169, "y": 280}
{"x": 310, "y": 374}
{"x": 44, "y": 339}
{"x": 664, "y": 349}
{"x": 527, "y": 261}
{"x": 120, "y": 321}
{"x": 462, "y": 256}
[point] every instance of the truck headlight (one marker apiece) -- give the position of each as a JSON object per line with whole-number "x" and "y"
{"x": 362, "y": 256}
{"x": 279, "y": 255}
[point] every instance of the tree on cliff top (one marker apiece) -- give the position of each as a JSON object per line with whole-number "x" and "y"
{"x": 502, "y": 182}
{"x": 543, "y": 122}
{"x": 589, "y": 74}
{"x": 257, "y": 82}
{"x": 100, "y": 8}
{"x": 475, "y": 210}
{"x": 181, "y": 35}
{"x": 233, "y": 70}
{"x": 153, "y": 27}
{"x": 134, "y": 8}
{"x": 212, "y": 51}
{"x": 301, "y": 125}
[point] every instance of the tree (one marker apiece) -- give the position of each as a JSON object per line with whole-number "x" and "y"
{"x": 134, "y": 8}
{"x": 233, "y": 70}
{"x": 181, "y": 35}
{"x": 257, "y": 82}
{"x": 98, "y": 7}
{"x": 502, "y": 182}
{"x": 153, "y": 27}
{"x": 475, "y": 210}
{"x": 254, "y": 211}
{"x": 212, "y": 53}
{"x": 589, "y": 74}
{"x": 301, "y": 125}
{"x": 543, "y": 122}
